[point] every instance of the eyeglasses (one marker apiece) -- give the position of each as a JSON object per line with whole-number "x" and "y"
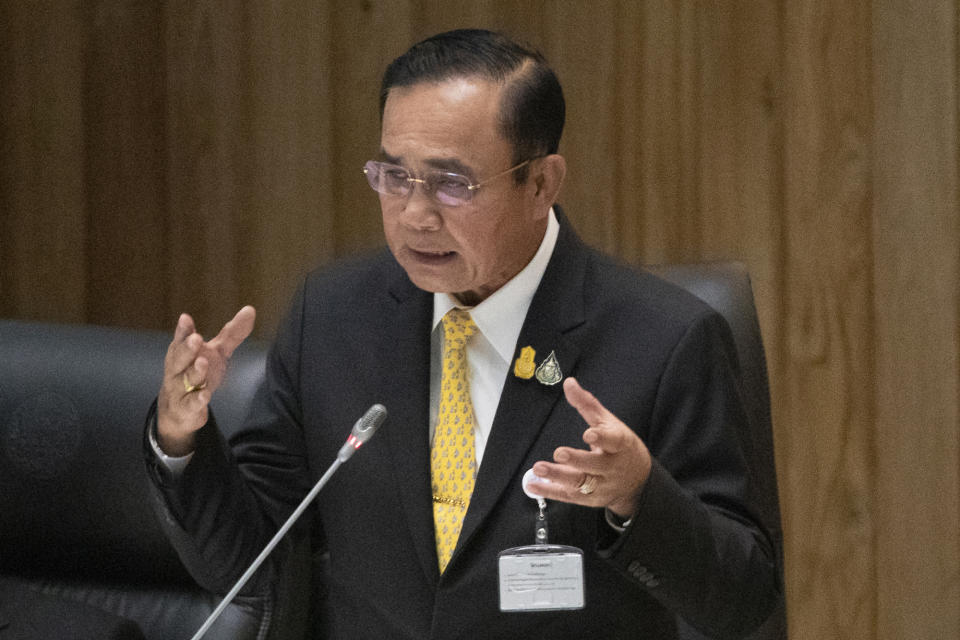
{"x": 449, "y": 189}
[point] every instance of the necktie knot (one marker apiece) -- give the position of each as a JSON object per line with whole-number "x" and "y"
{"x": 458, "y": 326}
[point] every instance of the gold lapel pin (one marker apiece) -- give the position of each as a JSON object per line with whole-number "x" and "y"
{"x": 524, "y": 365}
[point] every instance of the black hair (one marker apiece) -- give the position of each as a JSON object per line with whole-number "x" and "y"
{"x": 532, "y": 108}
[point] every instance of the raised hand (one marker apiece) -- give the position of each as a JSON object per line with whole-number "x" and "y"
{"x": 192, "y": 371}
{"x": 610, "y": 474}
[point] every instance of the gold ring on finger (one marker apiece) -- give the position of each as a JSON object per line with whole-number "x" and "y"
{"x": 190, "y": 388}
{"x": 589, "y": 485}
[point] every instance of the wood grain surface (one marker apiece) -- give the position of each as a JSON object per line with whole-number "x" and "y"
{"x": 200, "y": 155}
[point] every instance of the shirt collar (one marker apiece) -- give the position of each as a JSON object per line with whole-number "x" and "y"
{"x": 500, "y": 317}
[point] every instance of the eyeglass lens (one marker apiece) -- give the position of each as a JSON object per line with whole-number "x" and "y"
{"x": 450, "y": 189}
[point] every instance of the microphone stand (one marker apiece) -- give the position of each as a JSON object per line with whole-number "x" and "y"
{"x": 362, "y": 431}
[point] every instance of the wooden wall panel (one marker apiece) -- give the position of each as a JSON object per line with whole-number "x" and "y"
{"x": 523, "y": 20}
{"x": 627, "y": 160}
{"x": 826, "y": 362}
{"x": 916, "y": 217}
{"x": 43, "y": 223}
{"x": 200, "y": 155}
{"x": 669, "y": 135}
{"x": 123, "y": 111}
{"x": 576, "y": 43}
{"x": 740, "y": 175}
{"x": 367, "y": 39}
{"x": 289, "y": 221}
{"x": 208, "y": 159}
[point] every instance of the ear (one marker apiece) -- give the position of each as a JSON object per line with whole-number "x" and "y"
{"x": 547, "y": 175}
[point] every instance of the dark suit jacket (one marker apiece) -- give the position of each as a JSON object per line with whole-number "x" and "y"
{"x": 658, "y": 358}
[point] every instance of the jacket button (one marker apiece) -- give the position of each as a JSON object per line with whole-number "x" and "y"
{"x": 637, "y": 570}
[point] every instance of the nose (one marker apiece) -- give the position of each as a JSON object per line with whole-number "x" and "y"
{"x": 420, "y": 211}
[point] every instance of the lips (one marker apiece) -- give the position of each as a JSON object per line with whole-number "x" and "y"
{"x": 432, "y": 257}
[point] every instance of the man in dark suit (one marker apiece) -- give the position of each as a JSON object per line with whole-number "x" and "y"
{"x": 486, "y": 288}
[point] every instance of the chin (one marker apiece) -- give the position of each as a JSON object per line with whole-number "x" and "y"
{"x": 430, "y": 283}
{"x": 430, "y": 280}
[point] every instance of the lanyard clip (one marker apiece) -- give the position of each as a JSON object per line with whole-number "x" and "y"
{"x": 540, "y": 529}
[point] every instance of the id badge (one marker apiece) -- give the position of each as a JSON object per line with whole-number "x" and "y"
{"x": 541, "y": 577}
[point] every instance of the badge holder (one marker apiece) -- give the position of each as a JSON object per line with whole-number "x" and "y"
{"x": 541, "y": 576}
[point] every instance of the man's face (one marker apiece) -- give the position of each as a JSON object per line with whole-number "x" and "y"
{"x": 473, "y": 249}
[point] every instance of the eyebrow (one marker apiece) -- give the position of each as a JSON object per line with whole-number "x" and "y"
{"x": 451, "y": 165}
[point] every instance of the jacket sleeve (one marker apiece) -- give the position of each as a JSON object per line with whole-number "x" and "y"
{"x": 696, "y": 543}
{"x": 233, "y": 495}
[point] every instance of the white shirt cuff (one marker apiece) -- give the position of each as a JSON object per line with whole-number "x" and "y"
{"x": 174, "y": 464}
{"x": 616, "y": 522}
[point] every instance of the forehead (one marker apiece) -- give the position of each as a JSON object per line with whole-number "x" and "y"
{"x": 457, "y": 119}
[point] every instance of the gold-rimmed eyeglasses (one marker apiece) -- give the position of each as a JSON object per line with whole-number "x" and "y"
{"x": 449, "y": 189}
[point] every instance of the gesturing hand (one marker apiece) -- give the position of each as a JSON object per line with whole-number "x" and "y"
{"x": 611, "y": 474}
{"x": 192, "y": 371}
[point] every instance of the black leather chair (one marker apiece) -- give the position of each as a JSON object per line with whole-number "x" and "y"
{"x": 76, "y": 521}
{"x": 726, "y": 287}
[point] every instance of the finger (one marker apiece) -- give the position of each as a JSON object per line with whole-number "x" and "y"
{"x": 196, "y": 373}
{"x": 586, "y": 404}
{"x": 607, "y": 437}
{"x": 564, "y": 485}
{"x": 183, "y": 355}
{"x": 196, "y": 402}
{"x": 236, "y": 331}
{"x": 183, "y": 329}
{"x": 593, "y": 462}
{"x": 192, "y": 413}
{"x": 561, "y": 474}
{"x": 552, "y": 491}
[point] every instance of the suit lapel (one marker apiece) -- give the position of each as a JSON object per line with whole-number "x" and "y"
{"x": 404, "y": 352}
{"x": 525, "y": 405}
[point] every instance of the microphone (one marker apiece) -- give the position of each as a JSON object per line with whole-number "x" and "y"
{"x": 363, "y": 430}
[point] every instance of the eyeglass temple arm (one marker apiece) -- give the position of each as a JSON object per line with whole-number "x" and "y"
{"x": 474, "y": 187}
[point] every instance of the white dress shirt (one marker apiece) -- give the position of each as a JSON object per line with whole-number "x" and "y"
{"x": 499, "y": 320}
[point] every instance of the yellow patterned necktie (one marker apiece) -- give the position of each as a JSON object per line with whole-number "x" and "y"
{"x": 453, "y": 459}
